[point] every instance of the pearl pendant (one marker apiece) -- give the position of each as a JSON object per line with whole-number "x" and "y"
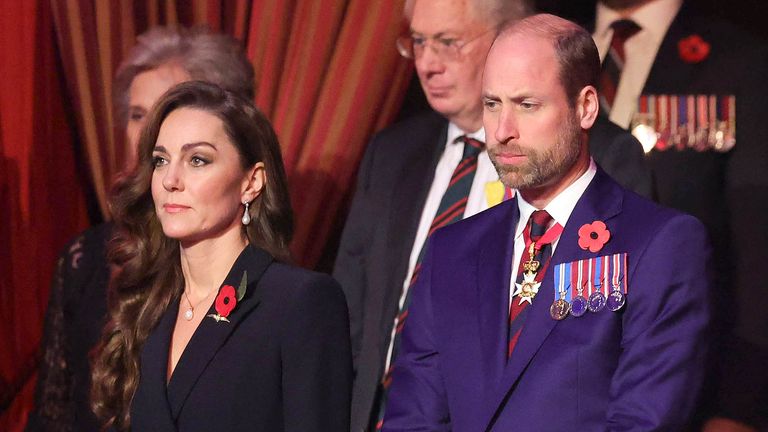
{"x": 188, "y": 314}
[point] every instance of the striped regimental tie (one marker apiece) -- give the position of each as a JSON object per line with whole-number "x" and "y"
{"x": 536, "y": 234}
{"x": 451, "y": 210}
{"x": 610, "y": 74}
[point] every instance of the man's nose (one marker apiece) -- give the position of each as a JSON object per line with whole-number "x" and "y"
{"x": 507, "y": 128}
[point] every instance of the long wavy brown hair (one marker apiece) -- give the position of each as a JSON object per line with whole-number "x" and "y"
{"x": 147, "y": 274}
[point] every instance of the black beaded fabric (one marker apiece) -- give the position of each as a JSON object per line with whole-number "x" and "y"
{"x": 75, "y": 316}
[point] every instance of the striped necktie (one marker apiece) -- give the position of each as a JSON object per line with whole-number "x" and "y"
{"x": 542, "y": 238}
{"x": 451, "y": 209}
{"x": 610, "y": 75}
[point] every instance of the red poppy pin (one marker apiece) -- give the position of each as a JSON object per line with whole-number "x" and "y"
{"x": 227, "y": 299}
{"x": 693, "y": 49}
{"x": 594, "y": 236}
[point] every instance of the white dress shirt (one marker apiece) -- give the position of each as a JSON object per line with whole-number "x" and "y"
{"x": 560, "y": 208}
{"x": 654, "y": 19}
{"x": 476, "y": 201}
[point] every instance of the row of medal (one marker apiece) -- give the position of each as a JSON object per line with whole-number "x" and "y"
{"x": 590, "y": 285}
{"x": 678, "y": 122}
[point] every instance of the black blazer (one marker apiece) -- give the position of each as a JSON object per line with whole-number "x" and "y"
{"x": 282, "y": 363}
{"x": 393, "y": 182}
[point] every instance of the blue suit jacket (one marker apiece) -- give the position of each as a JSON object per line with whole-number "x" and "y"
{"x": 636, "y": 369}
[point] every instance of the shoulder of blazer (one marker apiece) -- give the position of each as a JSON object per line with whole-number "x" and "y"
{"x": 289, "y": 281}
{"x": 412, "y": 135}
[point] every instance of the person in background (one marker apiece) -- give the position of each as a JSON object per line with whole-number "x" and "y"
{"x": 161, "y": 58}
{"x": 693, "y": 87}
{"x": 428, "y": 171}
{"x": 210, "y": 328}
{"x": 576, "y": 305}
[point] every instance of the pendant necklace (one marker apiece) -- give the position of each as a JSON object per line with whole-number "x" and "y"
{"x": 190, "y": 312}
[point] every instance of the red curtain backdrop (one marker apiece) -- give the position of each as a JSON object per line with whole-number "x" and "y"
{"x": 327, "y": 75}
{"x": 42, "y": 192}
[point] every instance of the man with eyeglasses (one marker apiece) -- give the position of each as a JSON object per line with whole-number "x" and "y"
{"x": 427, "y": 172}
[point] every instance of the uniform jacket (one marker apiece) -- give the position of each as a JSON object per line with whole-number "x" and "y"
{"x": 728, "y": 192}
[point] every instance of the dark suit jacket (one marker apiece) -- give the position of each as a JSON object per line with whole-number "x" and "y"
{"x": 637, "y": 369}
{"x": 728, "y": 192}
{"x": 393, "y": 182}
{"x": 282, "y": 363}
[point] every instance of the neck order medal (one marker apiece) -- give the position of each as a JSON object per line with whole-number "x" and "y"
{"x": 528, "y": 289}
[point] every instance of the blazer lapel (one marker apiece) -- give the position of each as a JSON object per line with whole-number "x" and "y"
{"x": 211, "y": 335}
{"x": 154, "y": 368}
{"x": 600, "y": 201}
{"x": 493, "y": 291}
{"x": 664, "y": 78}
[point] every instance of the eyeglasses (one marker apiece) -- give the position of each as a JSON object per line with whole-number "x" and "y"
{"x": 412, "y": 46}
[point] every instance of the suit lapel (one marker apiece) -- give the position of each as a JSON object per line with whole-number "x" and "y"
{"x": 600, "y": 201}
{"x": 211, "y": 335}
{"x": 407, "y": 203}
{"x": 493, "y": 291}
{"x": 664, "y": 78}
{"x": 154, "y": 369}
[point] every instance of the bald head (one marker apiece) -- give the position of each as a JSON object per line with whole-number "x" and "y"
{"x": 538, "y": 106}
{"x": 576, "y": 53}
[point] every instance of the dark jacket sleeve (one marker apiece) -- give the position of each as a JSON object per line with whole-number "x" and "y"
{"x": 350, "y": 265}
{"x": 317, "y": 370}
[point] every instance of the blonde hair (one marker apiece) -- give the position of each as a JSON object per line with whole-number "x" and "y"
{"x": 204, "y": 56}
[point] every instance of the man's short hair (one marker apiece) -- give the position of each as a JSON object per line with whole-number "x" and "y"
{"x": 498, "y": 13}
{"x": 574, "y": 48}
{"x": 203, "y": 55}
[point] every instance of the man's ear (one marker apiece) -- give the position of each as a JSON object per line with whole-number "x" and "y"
{"x": 254, "y": 183}
{"x": 587, "y": 107}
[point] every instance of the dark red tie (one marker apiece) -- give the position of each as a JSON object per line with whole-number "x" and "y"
{"x": 613, "y": 64}
{"x": 451, "y": 209}
{"x": 535, "y": 232}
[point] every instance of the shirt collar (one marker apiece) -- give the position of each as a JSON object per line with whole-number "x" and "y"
{"x": 653, "y": 18}
{"x": 455, "y": 132}
{"x": 561, "y": 207}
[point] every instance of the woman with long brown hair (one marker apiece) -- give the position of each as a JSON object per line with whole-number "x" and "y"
{"x": 210, "y": 328}
{"x": 161, "y": 58}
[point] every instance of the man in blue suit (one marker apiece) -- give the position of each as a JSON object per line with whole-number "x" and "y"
{"x": 577, "y": 305}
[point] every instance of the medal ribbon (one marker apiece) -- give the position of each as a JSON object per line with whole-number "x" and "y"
{"x": 580, "y": 277}
{"x": 574, "y": 275}
{"x": 598, "y": 266}
{"x": 549, "y": 236}
{"x": 562, "y": 288}
{"x": 586, "y": 265}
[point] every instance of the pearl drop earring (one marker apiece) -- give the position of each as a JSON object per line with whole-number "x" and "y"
{"x": 246, "y": 215}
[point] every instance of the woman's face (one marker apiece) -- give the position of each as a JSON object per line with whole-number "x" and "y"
{"x": 146, "y": 88}
{"x": 198, "y": 183}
